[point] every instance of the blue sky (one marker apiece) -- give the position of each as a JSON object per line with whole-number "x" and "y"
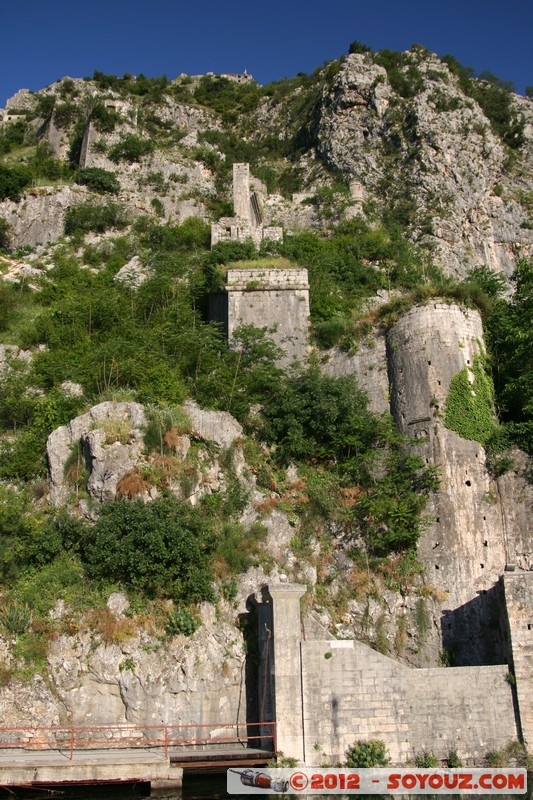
{"x": 43, "y": 41}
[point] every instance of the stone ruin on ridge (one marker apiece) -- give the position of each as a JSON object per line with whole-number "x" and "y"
{"x": 272, "y": 295}
{"x": 248, "y": 220}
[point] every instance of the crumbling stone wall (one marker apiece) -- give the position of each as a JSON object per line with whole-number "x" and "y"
{"x": 247, "y": 222}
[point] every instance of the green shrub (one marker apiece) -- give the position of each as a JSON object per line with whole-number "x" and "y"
{"x": 158, "y": 206}
{"x": 224, "y": 95}
{"x": 65, "y": 114}
{"x": 32, "y": 649}
{"x": 369, "y": 753}
{"x": 316, "y": 417}
{"x": 325, "y": 421}
{"x": 359, "y": 47}
{"x": 453, "y": 761}
{"x": 13, "y": 180}
{"x": 104, "y": 119}
{"x": 15, "y": 618}
{"x": 469, "y": 409}
{"x": 495, "y": 98}
{"x": 5, "y": 242}
{"x": 404, "y": 76}
{"x": 98, "y": 180}
{"x": 160, "y": 548}
{"x": 237, "y": 547}
{"x": 44, "y": 106}
{"x": 229, "y": 590}
{"x": 496, "y": 758}
{"x": 182, "y": 621}
{"x": 12, "y": 135}
{"x": 131, "y": 148}
{"x": 427, "y": 760}
{"x": 97, "y": 217}
{"x": 332, "y": 330}
{"x": 498, "y": 465}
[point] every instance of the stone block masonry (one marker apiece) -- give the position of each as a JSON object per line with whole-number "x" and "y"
{"x": 464, "y": 548}
{"x": 329, "y": 693}
{"x": 276, "y": 299}
{"x": 352, "y": 692}
{"x": 248, "y": 220}
{"x": 241, "y": 191}
{"x": 517, "y": 591}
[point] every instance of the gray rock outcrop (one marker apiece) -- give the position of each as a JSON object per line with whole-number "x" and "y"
{"x": 8, "y": 352}
{"x": 216, "y": 426}
{"x": 40, "y": 216}
{"x": 445, "y": 152}
{"x": 133, "y": 274}
{"x": 110, "y": 439}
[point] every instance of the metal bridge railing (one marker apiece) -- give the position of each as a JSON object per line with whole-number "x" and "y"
{"x": 110, "y": 737}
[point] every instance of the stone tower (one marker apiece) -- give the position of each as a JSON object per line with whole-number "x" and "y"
{"x": 248, "y": 220}
{"x": 275, "y": 298}
{"x": 241, "y": 192}
{"x": 469, "y": 540}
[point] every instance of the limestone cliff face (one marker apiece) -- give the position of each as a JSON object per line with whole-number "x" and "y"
{"x": 433, "y": 151}
{"x": 92, "y": 681}
{"x": 441, "y": 146}
{"x": 39, "y": 217}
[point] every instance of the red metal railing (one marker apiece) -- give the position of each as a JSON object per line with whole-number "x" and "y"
{"x": 73, "y": 737}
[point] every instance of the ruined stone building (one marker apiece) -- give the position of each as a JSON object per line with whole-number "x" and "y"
{"x": 248, "y": 220}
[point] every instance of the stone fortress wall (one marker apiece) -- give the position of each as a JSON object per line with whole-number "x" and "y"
{"x": 325, "y": 694}
{"x": 469, "y": 542}
{"x": 475, "y": 550}
{"x": 267, "y": 297}
{"x": 275, "y": 299}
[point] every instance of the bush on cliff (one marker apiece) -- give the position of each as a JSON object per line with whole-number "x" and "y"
{"x": 160, "y": 548}
{"x": 13, "y": 180}
{"x": 131, "y": 148}
{"x": 323, "y": 421}
{"x": 98, "y": 180}
{"x": 95, "y": 217}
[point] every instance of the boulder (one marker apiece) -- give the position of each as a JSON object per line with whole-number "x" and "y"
{"x": 133, "y": 274}
{"x": 216, "y": 426}
{"x": 111, "y": 439}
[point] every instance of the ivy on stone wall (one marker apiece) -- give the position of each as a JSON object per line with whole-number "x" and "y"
{"x": 469, "y": 409}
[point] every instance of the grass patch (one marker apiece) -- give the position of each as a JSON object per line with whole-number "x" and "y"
{"x": 262, "y": 263}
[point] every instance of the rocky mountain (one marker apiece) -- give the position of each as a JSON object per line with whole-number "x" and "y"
{"x": 444, "y": 155}
{"x": 153, "y": 478}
